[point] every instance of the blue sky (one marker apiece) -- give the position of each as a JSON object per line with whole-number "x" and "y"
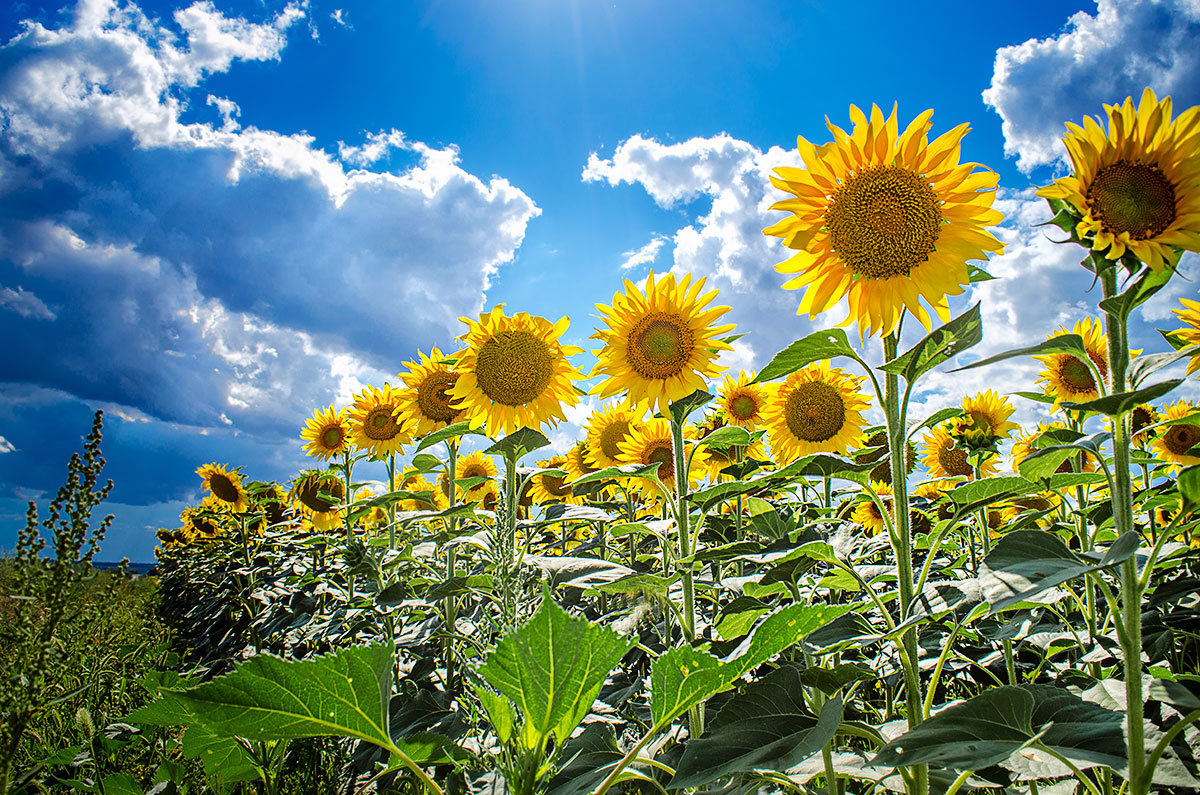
{"x": 216, "y": 217}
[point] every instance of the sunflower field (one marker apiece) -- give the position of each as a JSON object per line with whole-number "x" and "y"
{"x": 737, "y": 583}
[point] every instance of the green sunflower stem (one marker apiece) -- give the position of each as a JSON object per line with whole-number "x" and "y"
{"x": 346, "y": 521}
{"x": 1131, "y": 590}
{"x": 696, "y": 713}
{"x": 901, "y": 539}
{"x": 509, "y": 552}
{"x": 449, "y": 605}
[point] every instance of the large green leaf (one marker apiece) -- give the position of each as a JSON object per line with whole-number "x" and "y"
{"x": 938, "y": 346}
{"x": 223, "y": 758}
{"x": 449, "y": 432}
{"x": 1064, "y": 343}
{"x": 818, "y": 346}
{"x": 1149, "y": 282}
{"x": 518, "y": 443}
{"x": 680, "y": 409}
{"x": 1026, "y": 562}
{"x": 266, "y": 698}
{"x": 1117, "y": 404}
{"x": 768, "y": 727}
{"x": 552, "y": 668}
{"x": 992, "y": 726}
{"x": 645, "y": 471}
{"x": 1144, "y": 366}
{"x": 588, "y": 759}
{"x": 779, "y": 631}
{"x": 682, "y": 678}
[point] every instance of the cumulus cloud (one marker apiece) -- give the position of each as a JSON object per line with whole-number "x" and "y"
{"x": 218, "y": 274}
{"x": 1099, "y": 58}
{"x": 644, "y": 255}
{"x": 6, "y": 446}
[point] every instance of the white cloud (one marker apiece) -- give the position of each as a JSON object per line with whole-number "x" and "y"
{"x": 644, "y": 255}
{"x": 6, "y": 446}
{"x": 1124, "y": 47}
{"x": 220, "y": 270}
{"x": 25, "y": 304}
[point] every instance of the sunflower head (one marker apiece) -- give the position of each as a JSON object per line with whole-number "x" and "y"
{"x": 944, "y": 459}
{"x": 607, "y": 428}
{"x": 201, "y": 523}
{"x": 551, "y": 488}
{"x": 377, "y": 423}
{"x": 741, "y": 401}
{"x": 319, "y": 496}
{"x": 885, "y": 219}
{"x": 1026, "y": 444}
{"x": 660, "y": 344}
{"x": 650, "y": 443}
{"x": 1134, "y": 188}
{"x": 1174, "y": 443}
{"x": 984, "y": 422}
{"x": 875, "y": 449}
{"x": 426, "y": 398}
{"x": 1067, "y": 378}
{"x": 816, "y": 410}
{"x": 866, "y": 513}
{"x": 1142, "y": 416}
{"x": 224, "y": 487}
{"x": 1189, "y": 335}
{"x": 327, "y": 433}
{"x": 472, "y": 465}
{"x": 514, "y": 372}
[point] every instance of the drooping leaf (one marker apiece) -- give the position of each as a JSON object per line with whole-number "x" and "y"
{"x": 645, "y": 471}
{"x": 449, "y": 432}
{"x": 552, "y": 668}
{"x": 728, "y": 436}
{"x": 941, "y": 415}
{"x": 992, "y": 726}
{"x": 1188, "y": 483}
{"x": 1117, "y": 404}
{"x": 1026, "y": 562}
{"x": 991, "y": 489}
{"x": 518, "y": 443}
{"x": 1064, "y": 343}
{"x": 938, "y": 346}
{"x": 1144, "y": 366}
{"x": 830, "y": 680}
{"x": 818, "y": 346}
{"x": 780, "y": 630}
{"x": 680, "y": 409}
{"x": 1149, "y": 282}
{"x": 768, "y": 727}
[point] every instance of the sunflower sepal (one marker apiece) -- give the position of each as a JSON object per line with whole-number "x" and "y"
{"x": 938, "y": 346}
{"x": 1121, "y": 403}
{"x": 976, "y": 274}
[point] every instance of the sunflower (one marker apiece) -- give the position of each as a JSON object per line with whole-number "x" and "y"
{"x": 885, "y": 219}
{"x": 650, "y": 443}
{"x": 225, "y": 486}
{"x": 327, "y": 433}
{"x": 471, "y": 465}
{"x": 373, "y": 517}
{"x": 1067, "y": 378}
{"x": 546, "y": 489}
{"x": 876, "y": 448}
{"x": 606, "y": 429}
{"x": 426, "y": 399}
{"x": 578, "y": 461}
{"x": 200, "y": 524}
{"x": 1142, "y": 416}
{"x": 934, "y": 490}
{"x": 719, "y": 459}
{"x": 323, "y": 512}
{"x": 1136, "y": 187}
{"x": 415, "y": 483}
{"x": 659, "y": 346}
{"x": 944, "y": 460}
{"x": 1025, "y": 445}
{"x": 816, "y": 410}
{"x": 742, "y": 401}
{"x": 1174, "y": 441}
{"x": 984, "y": 421}
{"x": 376, "y": 422}
{"x": 1042, "y": 502}
{"x": 1190, "y": 317}
{"x": 866, "y": 514}
{"x": 514, "y": 372}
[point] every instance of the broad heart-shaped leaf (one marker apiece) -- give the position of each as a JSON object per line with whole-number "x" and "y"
{"x": 780, "y": 630}
{"x": 223, "y": 757}
{"x": 449, "y": 432}
{"x": 552, "y": 668}
{"x": 767, "y": 727}
{"x": 991, "y": 489}
{"x": 1117, "y": 404}
{"x": 1000, "y": 721}
{"x": 729, "y": 436}
{"x": 681, "y": 408}
{"x": 942, "y": 343}
{"x": 266, "y": 698}
{"x": 518, "y": 443}
{"x": 1064, "y": 343}
{"x": 1026, "y": 562}
{"x": 819, "y": 345}
{"x": 941, "y": 415}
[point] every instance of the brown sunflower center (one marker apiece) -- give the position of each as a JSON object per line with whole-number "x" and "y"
{"x": 1140, "y": 418}
{"x": 743, "y": 407}
{"x": 514, "y": 368}
{"x": 883, "y": 221}
{"x": 660, "y": 453}
{"x": 814, "y": 412}
{"x": 1179, "y": 439}
{"x": 309, "y": 493}
{"x": 954, "y": 461}
{"x": 332, "y": 436}
{"x": 380, "y": 423}
{"x": 474, "y": 470}
{"x": 578, "y": 457}
{"x": 660, "y": 345}
{"x": 1076, "y": 376}
{"x": 223, "y": 487}
{"x": 611, "y": 436}
{"x": 1132, "y": 197}
{"x": 555, "y": 485}
{"x": 433, "y": 396}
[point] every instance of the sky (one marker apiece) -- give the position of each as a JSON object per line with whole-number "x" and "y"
{"x": 217, "y": 217}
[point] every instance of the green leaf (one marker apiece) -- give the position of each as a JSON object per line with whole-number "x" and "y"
{"x": 1117, "y": 404}
{"x": 552, "y": 668}
{"x": 518, "y": 443}
{"x": 223, "y": 758}
{"x": 831, "y": 680}
{"x": 1148, "y": 283}
{"x": 449, "y": 432}
{"x": 992, "y": 726}
{"x": 682, "y": 678}
{"x": 1026, "y": 562}
{"x": 729, "y": 436}
{"x": 1143, "y": 366}
{"x": 768, "y": 727}
{"x": 500, "y": 712}
{"x": 121, "y": 784}
{"x": 818, "y": 346}
{"x": 976, "y": 274}
{"x": 588, "y": 760}
{"x": 991, "y": 489}
{"x": 1065, "y": 343}
{"x": 638, "y": 583}
{"x": 646, "y": 471}
{"x": 1037, "y": 397}
{"x": 266, "y": 698}
{"x": 1188, "y": 483}
{"x": 426, "y": 462}
{"x": 961, "y": 333}
{"x": 941, "y": 415}
{"x": 681, "y": 408}
{"x": 779, "y": 631}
